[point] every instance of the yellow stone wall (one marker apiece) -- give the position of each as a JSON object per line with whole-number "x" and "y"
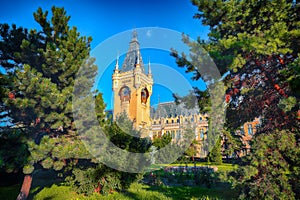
{"x": 137, "y": 111}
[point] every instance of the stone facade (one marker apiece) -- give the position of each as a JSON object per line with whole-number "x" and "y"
{"x": 132, "y": 87}
{"x": 169, "y": 118}
{"x": 246, "y": 132}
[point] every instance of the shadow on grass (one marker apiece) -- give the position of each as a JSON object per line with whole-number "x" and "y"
{"x": 189, "y": 192}
{"x": 9, "y": 192}
{"x": 41, "y": 179}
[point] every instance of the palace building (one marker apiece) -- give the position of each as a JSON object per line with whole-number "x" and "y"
{"x": 132, "y": 88}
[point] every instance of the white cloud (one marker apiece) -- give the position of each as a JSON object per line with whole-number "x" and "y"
{"x": 149, "y": 33}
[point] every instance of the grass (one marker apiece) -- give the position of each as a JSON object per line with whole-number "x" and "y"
{"x": 56, "y": 192}
{"x": 139, "y": 191}
{"x": 136, "y": 191}
{"x": 221, "y": 168}
{"x": 187, "y": 193}
{"x": 44, "y": 188}
{"x": 9, "y": 192}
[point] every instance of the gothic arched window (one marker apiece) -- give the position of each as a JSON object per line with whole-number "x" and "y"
{"x": 144, "y": 95}
{"x": 124, "y": 93}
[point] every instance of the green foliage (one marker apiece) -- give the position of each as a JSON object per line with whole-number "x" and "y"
{"x": 100, "y": 109}
{"x": 231, "y": 143}
{"x": 176, "y": 192}
{"x": 162, "y": 141}
{"x": 9, "y": 192}
{"x": 123, "y": 135}
{"x": 136, "y": 191}
{"x": 13, "y": 151}
{"x": 104, "y": 180}
{"x": 101, "y": 179}
{"x": 192, "y": 150}
{"x": 292, "y": 72}
{"x": 224, "y": 167}
{"x": 269, "y": 174}
{"x": 287, "y": 104}
{"x": 257, "y": 44}
{"x": 139, "y": 191}
{"x": 262, "y": 27}
{"x": 42, "y": 66}
{"x": 215, "y": 155}
{"x": 169, "y": 151}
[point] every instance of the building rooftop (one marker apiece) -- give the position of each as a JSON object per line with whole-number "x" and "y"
{"x": 171, "y": 109}
{"x": 133, "y": 55}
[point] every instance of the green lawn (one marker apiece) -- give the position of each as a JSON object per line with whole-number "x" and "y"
{"x": 221, "y": 168}
{"x": 139, "y": 191}
{"x": 43, "y": 189}
{"x": 9, "y": 192}
{"x": 187, "y": 193}
{"x": 136, "y": 191}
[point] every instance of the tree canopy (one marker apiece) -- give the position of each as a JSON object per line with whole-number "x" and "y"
{"x": 255, "y": 45}
{"x": 40, "y": 71}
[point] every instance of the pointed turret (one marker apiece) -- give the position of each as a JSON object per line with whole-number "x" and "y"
{"x": 132, "y": 86}
{"x": 134, "y": 36}
{"x": 138, "y": 59}
{"x": 133, "y": 56}
{"x": 117, "y": 64}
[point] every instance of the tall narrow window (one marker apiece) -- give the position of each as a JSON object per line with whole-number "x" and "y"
{"x": 201, "y": 134}
{"x": 178, "y": 135}
{"x": 173, "y": 134}
{"x": 144, "y": 95}
{"x": 250, "y": 131}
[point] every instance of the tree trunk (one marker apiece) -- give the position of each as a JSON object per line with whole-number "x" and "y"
{"x": 25, "y": 187}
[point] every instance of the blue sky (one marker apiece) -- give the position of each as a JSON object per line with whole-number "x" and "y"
{"x": 103, "y": 19}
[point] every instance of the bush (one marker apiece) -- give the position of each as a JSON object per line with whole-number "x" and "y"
{"x": 100, "y": 179}
{"x": 215, "y": 155}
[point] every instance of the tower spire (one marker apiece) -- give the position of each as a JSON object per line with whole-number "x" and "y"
{"x": 133, "y": 56}
{"x": 134, "y": 36}
{"x": 117, "y": 63}
{"x": 138, "y": 58}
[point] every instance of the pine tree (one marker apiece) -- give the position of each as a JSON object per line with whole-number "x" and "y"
{"x": 257, "y": 42}
{"x": 162, "y": 141}
{"x": 215, "y": 155}
{"x": 43, "y": 66}
{"x": 192, "y": 150}
{"x": 104, "y": 179}
{"x": 231, "y": 144}
{"x": 100, "y": 109}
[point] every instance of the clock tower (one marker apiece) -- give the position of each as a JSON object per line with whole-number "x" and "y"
{"x": 132, "y": 87}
